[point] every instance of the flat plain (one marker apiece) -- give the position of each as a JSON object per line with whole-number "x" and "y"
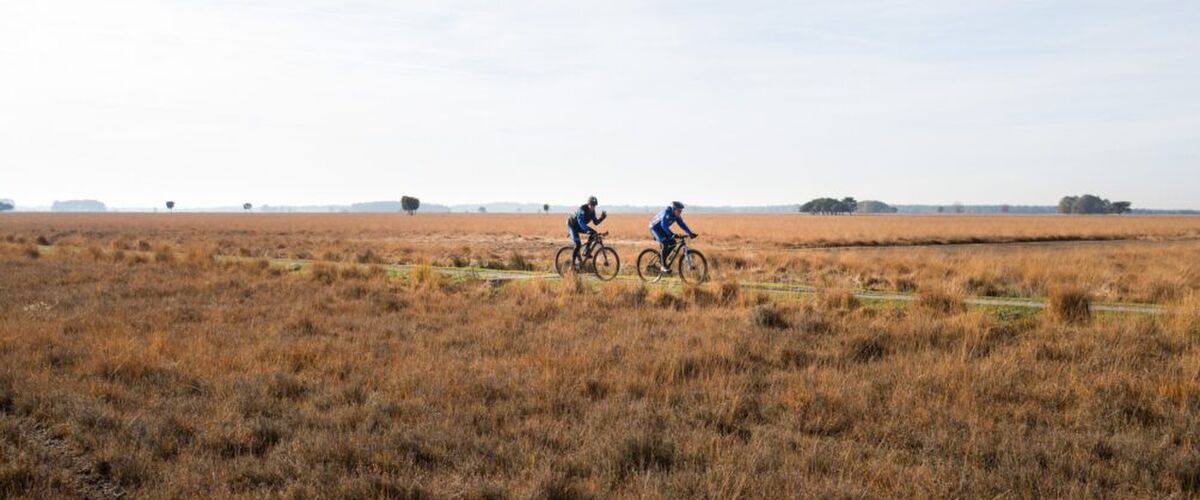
{"x": 182, "y": 355}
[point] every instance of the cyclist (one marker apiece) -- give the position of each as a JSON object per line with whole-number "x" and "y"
{"x": 578, "y": 223}
{"x": 660, "y": 227}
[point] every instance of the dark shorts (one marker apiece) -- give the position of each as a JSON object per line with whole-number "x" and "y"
{"x": 662, "y": 237}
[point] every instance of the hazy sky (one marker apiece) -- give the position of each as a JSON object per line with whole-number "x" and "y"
{"x": 748, "y": 102}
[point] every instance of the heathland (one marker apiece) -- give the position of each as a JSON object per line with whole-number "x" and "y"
{"x": 185, "y": 355}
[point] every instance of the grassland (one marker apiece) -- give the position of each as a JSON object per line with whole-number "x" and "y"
{"x": 1119, "y": 259}
{"x": 132, "y": 361}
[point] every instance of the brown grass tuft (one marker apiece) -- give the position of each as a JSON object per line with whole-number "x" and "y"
{"x": 164, "y": 254}
{"x": 1070, "y": 305}
{"x": 664, "y": 299}
{"x": 699, "y": 296}
{"x": 768, "y": 316}
{"x": 31, "y": 252}
{"x": 1184, "y": 317}
{"x": 837, "y": 299}
{"x": 728, "y": 292}
{"x": 940, "y": 300}
{"x": 648, "y": 452}
{"x": 323, "y": 272}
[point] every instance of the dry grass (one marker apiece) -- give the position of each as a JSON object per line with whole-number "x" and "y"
{"x": 748, "y": 248}
{"x": 188, "y": 377}
{"x": 136, "y": 355}
{"x": 1072, "y": 306}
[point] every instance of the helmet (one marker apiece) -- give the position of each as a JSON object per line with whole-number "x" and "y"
{"x": 678, "y": 205}
{"x": 592, "y": 201}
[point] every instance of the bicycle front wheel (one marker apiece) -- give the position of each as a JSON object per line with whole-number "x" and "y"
{"x": 648, "y": 263}
{"x": 693, "y": 267}
{"x": 606, "y": 263}
{"x": 562, "y": 260}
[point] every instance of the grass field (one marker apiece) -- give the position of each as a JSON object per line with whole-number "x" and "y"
{"x": 133, "y": 362}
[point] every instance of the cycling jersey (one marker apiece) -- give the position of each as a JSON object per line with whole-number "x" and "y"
{"x": 661, "y": 224}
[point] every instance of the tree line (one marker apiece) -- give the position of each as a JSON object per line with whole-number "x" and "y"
{"x": 1091, "y": 204}
{"x": 847, "y": 205}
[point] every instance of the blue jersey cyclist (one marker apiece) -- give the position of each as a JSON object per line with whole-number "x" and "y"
{"x": 579, "y": 223}
{"x": 660, "y": 227}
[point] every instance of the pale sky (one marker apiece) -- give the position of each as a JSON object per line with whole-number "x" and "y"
{"x": 746, "y": 103}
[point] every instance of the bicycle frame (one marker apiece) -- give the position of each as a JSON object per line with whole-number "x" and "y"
{"x": 594, "y": 241}
{"x": 680, "y": 245}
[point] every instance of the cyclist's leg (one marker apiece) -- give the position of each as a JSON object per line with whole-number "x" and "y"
{"x": 591, "y": 245}
{"x": 574, "y": 238}
{"x": 665, "y": 242}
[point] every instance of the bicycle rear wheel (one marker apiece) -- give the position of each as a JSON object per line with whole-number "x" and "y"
{"x": 606, "y": 263}
{"x": 648, "y": 263}
{"x": 562, "y": 260}
{"x": 693, "y": 267}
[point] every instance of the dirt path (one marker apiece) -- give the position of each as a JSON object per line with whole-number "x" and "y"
{"x": 796, "y": 289}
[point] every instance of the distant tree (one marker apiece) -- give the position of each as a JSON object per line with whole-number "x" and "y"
{"x": 247, "y": 206}
{"x": 546, "y": 208}
{"x": 875, "y": 207}
{"x": 78, "y": 206}
{"x": 1119, "y": 207}
{"x": 941, "y": 210}
{"x": 1005, "y": 209}
{"x": 829, "y": 206}
{"x": 1090, "y": 204}
{"x": 483, "y": 210}
{"x": 7, "y": 205}
{"x": 409, "y": 204}
{"x": 170, "y": 205}
{"x": 1067, "y": 204}
{"x": 959, "y": 208}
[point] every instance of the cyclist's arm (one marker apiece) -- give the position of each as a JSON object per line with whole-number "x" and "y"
{"x": 684, "y": 226}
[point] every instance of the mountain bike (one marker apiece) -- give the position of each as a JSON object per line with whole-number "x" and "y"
{"x": 692, "y": 265}
{"x": 593, "y": 256}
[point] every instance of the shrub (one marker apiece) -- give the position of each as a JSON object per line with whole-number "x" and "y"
{"x": 865, "y": 349}
{"x": 940, "y": 301}
{"x": 164, "y": 254}
{"x": 424, "y": 276}
{"x": 32, "y": 252}
{"x": 698, "y": 295}
{"x": 837, "y": 299}
{"x": 43, "y": 241}
{"x": 1185, "y": 316}
{"x": 768, "y": 316}
{"x": 626, "y": 296}
{"x": 368, "y": 256}
{"x": 647, "y": 452}
{"x": 728, "y": 292}
{"x": 1070, "y": 305}
{"x": 517, "y": 261}
{"x": 322, "y": 272}
{"x": 664, "y": 299}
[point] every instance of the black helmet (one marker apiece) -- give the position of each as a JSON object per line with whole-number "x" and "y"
{"x": 678, "y": 205}
{"x": 592, "y": 200}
